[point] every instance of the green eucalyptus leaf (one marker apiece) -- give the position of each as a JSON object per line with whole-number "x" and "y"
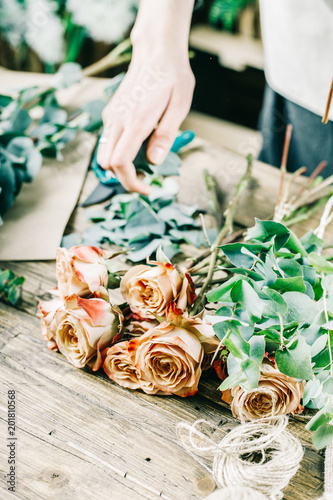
{"x": 94, "y": 110}
{"x": 309, "y": 274}
{"x": 300, "y": 307}
{"x": 145, "y": 251}
{"x": 5, "y": 100}
{"x": 319, "y": 345}
{"x": 55, "y": 115}
{"x": 295, "y": 360}
{"x": 23, "y": 147}
{"x": 276, "y": 305}
{"x": 18, "y": 122}
{"x": 144, "y": 222}
{"x": 5, "y": 277}
{"x": 236, "y": 344}
{"x": 312, "y": 390}
{"x": 312, "y": 243}
{"x": 267, "y": 231}
{"x": 219, "y": 293}
{"x": 174, "y": 212}
{"x": 233, "y": 380}
{"x": 327, "y": 283}
{"x": 252, "y": 372}
{"x": 295, "y": 284}
{"x": 323, "y": 436}
{"x": 320, "y": 263}
{"x": 68, "y": 74}
{"x": 240, "y": 259}
{"x": 257, "y": 349}
{"x": 13, "y": 294}
{"x": 243, "y": 293}
{"x": 290, "y": 268}
{"x": 328, "y": 386}
{"x": 320, "y": 418}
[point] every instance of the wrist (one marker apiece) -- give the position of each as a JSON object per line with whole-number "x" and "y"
{"x": 162, "y": 27}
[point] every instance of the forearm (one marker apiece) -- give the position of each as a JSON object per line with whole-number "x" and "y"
{"x": 163, "y": 23}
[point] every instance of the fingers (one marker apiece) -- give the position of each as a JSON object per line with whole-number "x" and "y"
{"x": 126, "y": 175}
{"x": 110, "y": 137}
{"x": 163, "y": 138}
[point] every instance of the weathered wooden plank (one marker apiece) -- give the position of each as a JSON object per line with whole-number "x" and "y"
{"x": 46, "y": 471}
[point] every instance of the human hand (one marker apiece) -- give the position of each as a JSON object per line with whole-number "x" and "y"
{"x": 154, "y": 97}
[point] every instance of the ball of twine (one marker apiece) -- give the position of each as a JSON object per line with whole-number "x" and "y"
{"x": 279, "y": 454}
{"x": 236, "y": 493}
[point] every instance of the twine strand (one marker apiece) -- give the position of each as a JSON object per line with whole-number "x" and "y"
{"x": 278, "y": 455}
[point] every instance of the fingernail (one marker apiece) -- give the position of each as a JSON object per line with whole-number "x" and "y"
{"x": 156, "y": 154}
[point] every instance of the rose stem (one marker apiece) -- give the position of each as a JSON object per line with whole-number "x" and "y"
{"x": 192, "y": 263}
{"x": 325, "y": 219}
{"x": 314, "y": 174}
{"x": 313, "y": 208}
{"x": 328, "y": 104}
{"x": 282, "y": 194}
{"x": 212, "y": 197}
{"x": 204, "y": 230}
{"x": 225, "y": 230}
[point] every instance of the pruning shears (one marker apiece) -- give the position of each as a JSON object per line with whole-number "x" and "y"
{"x": 109, "y": 185}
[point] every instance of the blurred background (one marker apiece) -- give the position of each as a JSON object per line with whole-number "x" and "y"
{"x": 225, "y": 44}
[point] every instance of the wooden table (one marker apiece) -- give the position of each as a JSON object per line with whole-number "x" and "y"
{"x": 80, "y": 436}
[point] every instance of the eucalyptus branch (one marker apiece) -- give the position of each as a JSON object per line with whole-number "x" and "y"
{"x": 115, "y": 57}
{"x": 226, "y": 229}
{"x": 212, "y": 197}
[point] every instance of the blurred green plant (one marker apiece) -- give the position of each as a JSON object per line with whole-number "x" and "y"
{"x": 224, "y": 13}
{"x": 10, "y": 287}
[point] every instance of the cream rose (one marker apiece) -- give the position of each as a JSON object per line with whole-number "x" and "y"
{"x": 276, "y": 394}
{"x": 81, "y": 270}
{"x": 46, "y": 312}
{"x": 169, "y": 358}
{"x": 119, "y": 367}
{"x": 84, "y": 328}
{"x": 149, "y": 289}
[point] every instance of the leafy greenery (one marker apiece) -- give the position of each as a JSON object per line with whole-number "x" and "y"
{"x": 279, "y": 302}
{"x": 24, "y": 141}
{"x": 143, "y": 224}
{"x": 225, "y": 12}
{"x": 10, "y": 287}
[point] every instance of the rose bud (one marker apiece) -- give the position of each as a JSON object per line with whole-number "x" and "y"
{"x": 84, "y": 328}
{"x": 81, "y": 270}
{"x": 148, "y": 289}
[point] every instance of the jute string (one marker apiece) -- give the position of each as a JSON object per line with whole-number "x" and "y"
{"x": 278, "y": 455}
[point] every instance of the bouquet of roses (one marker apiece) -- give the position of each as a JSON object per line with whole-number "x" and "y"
{"x": 150, "y": 342}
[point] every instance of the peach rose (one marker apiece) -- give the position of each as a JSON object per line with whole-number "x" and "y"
{"x": 46, "y": 312}
{"x": 119, "y": 367}
{"x": 84, "y": 328}
{"x": 276, "y": 394}
{"x": 148, "y": 289}
{"x": 169, "y": 358}
{"x": 81, "y": 270}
